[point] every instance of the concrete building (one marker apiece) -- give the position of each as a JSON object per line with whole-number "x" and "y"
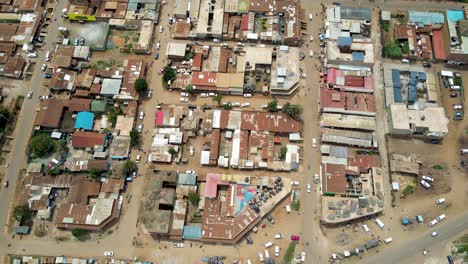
{"x": 210, "y": 19}
{"x": 430, "y": 121}
{"x": 285, "y": 72}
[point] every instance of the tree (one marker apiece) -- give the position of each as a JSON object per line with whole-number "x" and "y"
{"x": 141, "y": 85}
{"x": 94, "y": 173}
{"x": 189, "y": 89}
{"x": 80, "y": 234}
{"x": 405, "y": 47}
{"x": 293, "y": 110}
{"x": 4, "y": 118}
{"x": 218, "y": 99}
{"x": 22, "y": 213}
{"x": 172, "y": 151}
{"x": 135, "y": 138}
{"x": 283, "y": 151}
{"x": 41, "y": 144}
{"x": 392, "y": 50}
{"x": 296, "y": 205}
{"x": 272, "y": 106}
{"x": 169, "y": 75}
{"x": 53, "y": 172}
{"x": 112, "y": 114}
{"x": 194, "y": 198}
{"x": 129, "y": 166}
{"x": 227, "y": 106}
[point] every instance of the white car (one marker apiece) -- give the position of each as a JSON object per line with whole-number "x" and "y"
{"x": 295, "y": 183}
{"x": 158, "y": 45}
{"x": 29, "y": 95}
{"x": 247, "y": 95}
{"x": 434, "y": 234}
{"x": 212, "y": 94}
{"x": 303, "y": 255}
{"x": 184, "y": 94}
{"x": 140, "y": 128}
{"x": 32, "y": 55}
{"x": 142, "y": 115}
{"x": 204, "y": 95}
{"x": 308, "y": 188}
{"x": 178, "y": 245}
{"x": 44, "y": 67}
{"x": 457, "y": 107}
{"x": 236, "y": 104}
{"x": 138, "y": 158}
{"x": 425, "y": 184}
{"x": 108, "y": 253}
{"x": 440, "y": 201}
{"x": 245, "y": 104}
{"x": 427, "y": 178}
{"x": 311, "y": 38}
{"x": 260, "y": 255}
{"x": 441, "y": 217}
{"x": 191, "y": 150}
{"x": 316, "y": 178}
{"x": 161, "y": 28}
{"x": 314, "y": 142}
{"x": 183, "y": 100}
{"x": 264, "y": 106}
{"x": 279, "y": 236}
{"x": 190, "y": 172}
{"x": 150, "y": 92}
{"x": 277, "y": 251}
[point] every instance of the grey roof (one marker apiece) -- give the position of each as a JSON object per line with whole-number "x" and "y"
{"x": 412, "y": 93}
{"x": 111, "y": 86}
{"x": 351, "y": 12}
{"x": 344, "y": 41}
{"x": 397, "y": 97}
{"x": 358, "y": 56}
{"x": 372, "y": 243}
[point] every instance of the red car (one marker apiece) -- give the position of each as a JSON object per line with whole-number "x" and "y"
{"x": 295, "y": 237}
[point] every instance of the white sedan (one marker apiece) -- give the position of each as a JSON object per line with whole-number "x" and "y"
{"x": 108, "y": 253}
{"x": 183, "y": 100}
{"x": 308, "y": 188}
{"x": 435, "y": 233}
{"x": 184, "y": 94}
{"x": 245, "y": 104}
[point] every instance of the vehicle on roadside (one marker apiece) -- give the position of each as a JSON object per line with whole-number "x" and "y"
{"x": 450, "y": 259}
{"x": 314, "y": 142}
{"x": 212, "y": 94}
{"x": 267, "y": 254}
{"x": 434, "y": 234}
{"x": 264, "y": 106}
{"x": 295, "y": 237}
{"x": 366, "y": 229}
{"x": 455, "y": 87}
{"x": 316, "y": 178}
{"x": 404, "y": 61}
{"x": 178, "y": 245}
{"x": 301, "y": 56}
{"x": 453, "y": 95}
{"x": 245, "y": 105}
{"x": 310, "y": 16}
{"x": 433, "y": 222}
{"x": 379, "y": 223}
{"x": 5, "y": 184}
{"x": 191, "y": 151}
{"x": 308, "y": 188}
{"x": 158, "y": 45}
{"x": 183, "y": 100}
{"x": 138, "y": 158}
{"x": 303, "y": 256}
{"x": 29, "y": 95}
{"x": 44, "y": 67}
{"x": 156, "y": 56}
{"x": 108, "y": 253}
{"x": 260, "y": 256}
{"x": 457, "y": 107}
{"x": 288, "y": 208}
{"x": 32, "y": 55}
{"x": 150, "y": 92}
{"x": 142, "y": 115}
{"x": 236, "y": 104}
{"x": 295, "y": 183}
{"x": 184, "y": 94}
{"x": 161, "y": 29}
{"x": 140, "y": 128}
{"x": 425, "y": 184}
{"x": 204, "y": 95}
{"x": 427, "y": 178}
{"x": 190, "y": 172}
{"x": 441, "y": 217}
{"x": 268, "y": 244}
{"x": 388, "y": 240}
{"x": 249, "y": 240}
{"x": 277, "y": 251}
{"x": 440, "y": 201}
{"x": 458, "y": 115}
{"x": 279, "y": 236}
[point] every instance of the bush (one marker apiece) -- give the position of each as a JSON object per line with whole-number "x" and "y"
{"x": 189, "y": 89}
{"x": 22, "y": 213}
{"x": 80, "y": 234}
{"x": 282, "y": 153}
{"x": 141, "y": 85}
{"x": 112, "y": 114}
{"x": 218, "y": 99}
{"x": 272, "y": 106}
{"x": 194, "y": 198}
{"x": 94, "y": 173}
{"x": 135, "y": 138}
{"x": 129, "y": 166}
{"x": 405, "y": 48}
{"x": 392, "y": 50}
{"x": 169, "y": 75}
{"x": 227, "y": 106}
{"x": 41, "y": 145}
{"x": 457, "y": 80}
{"x": 408, "y": 189}
{"x": 293, "y": 110}
{"x": 385, "y": 25}
{"x": 172, "y": 151}
{"x": 289, "y": 255}
{"x": 296, "y": 205}
{"x": 438, "y": 167}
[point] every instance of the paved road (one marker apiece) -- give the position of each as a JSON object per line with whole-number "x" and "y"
{"x": 447, "y": 229}
{"x": 24, "y": 124}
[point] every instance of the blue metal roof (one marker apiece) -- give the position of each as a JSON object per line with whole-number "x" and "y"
{"x": 396, "y": 77}
{"x": 425, "y": 18}
{"x": 192, "y": 232}
{"x": 414, "y": 74}
{"x": 187, "y": 179}
{"x": 413, "y": 81}
{"x": 397, "y": 97}
{"x": 84, "y": 120}
{"x": 344, "y": 41}
{"x": 412, "y": 93}
{"x": 422, "y": 76}
{"x": 455, "y": 15}
{"x": 358, "y": 56}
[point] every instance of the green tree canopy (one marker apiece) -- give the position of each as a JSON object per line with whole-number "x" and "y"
{"x": 293, "y": 110}
{"x": 129, "y": 166}
{"x": 135, "y": 138}
{"x": 283, "y": 151}
{"x": 392, "y": 50}
{"x": 218, "y": 99}
{"x": 194, "y": 198}
{"x": 141, "y": 85}
{"x": 22, "y": 213}
{"x": 94, "y": 173}
{"x": 272, "y": 106}
{"x": 227, "y": 106}
{"x": 4, "y": 118}
{"x": 41, "y": 145}
{"x": 172, "y": 151}
{"x": 169, "y": 74}
{"x": 189, "y": 89}
{"x": 80, "y": 234}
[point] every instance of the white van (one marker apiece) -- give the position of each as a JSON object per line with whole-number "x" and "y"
{"x": 267, "y": 254}
{"x": 388, "y": 240}
{"x": 260, "y": 255}
{"x": 441, "y": 217}
{"x": 433, "y": 222}
{"x": 380, "y": 223}
{"x": 269, "y": 244}
{"x": 288, "y": 208}
{"x": 366, "y": 229}
{"x": 455, "y": 87}
{"x": 47, "y": 56}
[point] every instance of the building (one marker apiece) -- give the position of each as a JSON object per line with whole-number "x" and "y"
{"x": 143, "y": 45}
{"x": 84, "y": 120}
{"x": 210, "y": 19}
{"x": 176, "y": 50}
{"x": 88, "y": 140}
{"x": 285, "y": 72}
{"x": 120, "y": 148}
{"x": 430, "y": 121}
{"x": 50, "y": 114}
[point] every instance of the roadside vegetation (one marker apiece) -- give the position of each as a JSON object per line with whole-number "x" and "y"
{"x": 80, "y": 234}
{"x": 289, "y": 255}
{"x": 41, "y": 145}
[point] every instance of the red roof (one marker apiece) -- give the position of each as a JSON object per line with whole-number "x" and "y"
{"x": 159, "y": 118}
{"x": 355, "y": 81}
{"x": 82, "y": 139}
{"x": 197, "y": 60}
{"x": 335, "y": 178}
{"x": 438, "y": 46}
{"x": 245, "y": 22}
{"x": 204, "y": 78}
